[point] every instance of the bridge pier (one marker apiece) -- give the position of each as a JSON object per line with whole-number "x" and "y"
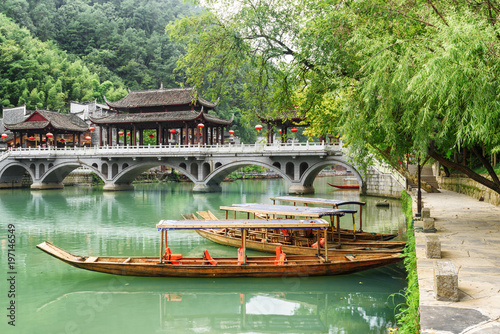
{"x": 44, "y": 186}
{"x": 299, "y": 189}
{"x": 206, "y": 188}
{"x": 117, "y": 186}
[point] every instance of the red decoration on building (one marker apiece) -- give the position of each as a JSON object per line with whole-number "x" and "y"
{"x": 88, "y": 138}
{"x": 151, "y": 136}
{"x": 258, "y": 127}
{"x": 31, "y": 138}
{"x": 173, "y": 131}
{"x": 4, "y": 135}
{"x": 121, "y": 133}
{"x": 231, "y": 132}
{"x": 91, "y": 129}
{"x": 294, "y": 130}
{"x": 49, "y": 135}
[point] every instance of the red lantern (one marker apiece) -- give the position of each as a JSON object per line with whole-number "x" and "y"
{"x": 151, "y": 136}
{"x": 91, "y": 129}
{"x": 4, "y": 135}
{"x": 88, "y": 138}
{"x": 201, "y": 126}
{"x": 231, "y": 132}
{"x": 279, "y": 131}
{"x": 173, "y": 131}
{"x": 128, "y": 134}
{"x": 49, "y": 135}
{"x": 62, "y": 140}
{"x": 294, "y": 130}
{"x": 31, "y": 138}
{"x": 258, "y": 127}
{"x": 121, "y": 133}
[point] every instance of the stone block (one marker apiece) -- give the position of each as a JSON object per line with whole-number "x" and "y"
{"x": 426, "y": 213}
{"x": 445, "y": 281}
{"x": 432, "y": 247}
{"x": 428, "y": 223}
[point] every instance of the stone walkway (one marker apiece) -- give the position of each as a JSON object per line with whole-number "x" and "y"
{"x": 469, "y": 232}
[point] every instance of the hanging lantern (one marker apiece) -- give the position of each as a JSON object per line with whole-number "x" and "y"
{"x": 91, "y": 129}
{"x": 231, "y": 133}
{"x": 62, "y": 140}
{"x": 31, "y": 138}
{"x": 151, "y": 136}
{"x": 279, "y": 131}
{"x": 121, "y": 133}
{"x": 201, "y": 126}
{"x": 88, "y": 138}
{"x": 44, "y": 139}
{"x": 294, "y": 130}
{"x": 258, "y": 127}
{"x": 49, "y": 135}
{"x": 128, "y": 134}
{"x": 173, "y": 131}
{"x": 4, "y": 135}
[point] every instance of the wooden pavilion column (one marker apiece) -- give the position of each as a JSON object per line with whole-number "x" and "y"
{"x": 186, "y": 133}
{"x": 159, "y": 135}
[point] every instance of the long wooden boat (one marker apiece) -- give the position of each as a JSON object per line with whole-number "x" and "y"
{"x": 175, "y": 265}
{"x": 347, "y": 184}
{"x": 257, "y": 240}
{"x": 344, "y": 186}
{"x": 288, "y": 211}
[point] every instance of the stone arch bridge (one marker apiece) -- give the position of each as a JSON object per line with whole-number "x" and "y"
{"x": 206, "y": 166}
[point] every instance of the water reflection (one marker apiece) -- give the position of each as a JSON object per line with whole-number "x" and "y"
{"x": 353, "y": 303}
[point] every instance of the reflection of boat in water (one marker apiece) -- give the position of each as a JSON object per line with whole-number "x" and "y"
{"x": 288, "y": 305}
{"x": 349, "y": 183}
{"x": 175, "y": 265}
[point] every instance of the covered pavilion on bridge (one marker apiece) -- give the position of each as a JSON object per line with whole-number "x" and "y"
{"x": 43, "y": 127}
{"x": 176, "y": 115}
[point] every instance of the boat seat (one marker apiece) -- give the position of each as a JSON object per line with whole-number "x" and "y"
{"x": 208, "y": 258}
{"x": 171, "y": 258}
{"x": 241, "y": 257}
{"x": 91, "y": 259}
{"x": 280, "y": 256}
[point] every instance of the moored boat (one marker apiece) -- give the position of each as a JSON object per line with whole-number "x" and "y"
{"x": 168, "y": 264}
{"x": 349, "y": 183}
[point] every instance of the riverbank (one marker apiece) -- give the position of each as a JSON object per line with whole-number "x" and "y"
{"x": 469, "y": 233}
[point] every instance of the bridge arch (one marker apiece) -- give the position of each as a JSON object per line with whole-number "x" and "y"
{"x": 218, "y": 174}
{"x": 307, "y": 178}
{"x": 11, "y": 175}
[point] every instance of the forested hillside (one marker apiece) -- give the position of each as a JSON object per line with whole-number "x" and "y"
{"x": 120, "y": 40}
{"x": 40, "y": 75}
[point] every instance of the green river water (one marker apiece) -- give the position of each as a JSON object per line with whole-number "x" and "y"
{"x": 40, "y": 294}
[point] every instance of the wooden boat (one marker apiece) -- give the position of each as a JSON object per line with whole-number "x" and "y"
{"x": 347, "y": 184}
{"x": 271, "y": 211}
{"x": 175, "y": 265}
{"x": 297, "y": 245}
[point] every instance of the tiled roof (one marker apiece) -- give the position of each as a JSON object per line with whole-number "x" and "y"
{"x": 64, "y": 122}
{"x": 160, "y": 97}
{"x": 169, "y": 116}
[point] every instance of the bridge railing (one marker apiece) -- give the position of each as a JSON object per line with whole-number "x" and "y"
{"x": 176, "y": 149}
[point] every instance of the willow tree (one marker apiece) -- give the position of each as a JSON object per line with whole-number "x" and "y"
{"x": 397, "y": 78}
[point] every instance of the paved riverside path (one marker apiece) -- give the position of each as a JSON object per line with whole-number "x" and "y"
{"x": 469, "y": 232}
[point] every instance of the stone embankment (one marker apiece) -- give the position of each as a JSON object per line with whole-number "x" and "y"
{"x": 458, "y": 264}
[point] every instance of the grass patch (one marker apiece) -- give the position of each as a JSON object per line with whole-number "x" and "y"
{"x": 408, "y": 316}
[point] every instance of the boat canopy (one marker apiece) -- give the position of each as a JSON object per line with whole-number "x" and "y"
{"x": 168, "y": 225}
{"x": 287, "y": 210}
{"x": 319, "y": 201}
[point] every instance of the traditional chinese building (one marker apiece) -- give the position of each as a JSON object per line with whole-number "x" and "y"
{"x": 175, "y": 115}
{"x": 42, "y": 127}
{"x": 284, "y": 121}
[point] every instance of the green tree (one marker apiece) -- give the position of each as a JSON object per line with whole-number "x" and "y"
{"x": 398, "y": 77}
